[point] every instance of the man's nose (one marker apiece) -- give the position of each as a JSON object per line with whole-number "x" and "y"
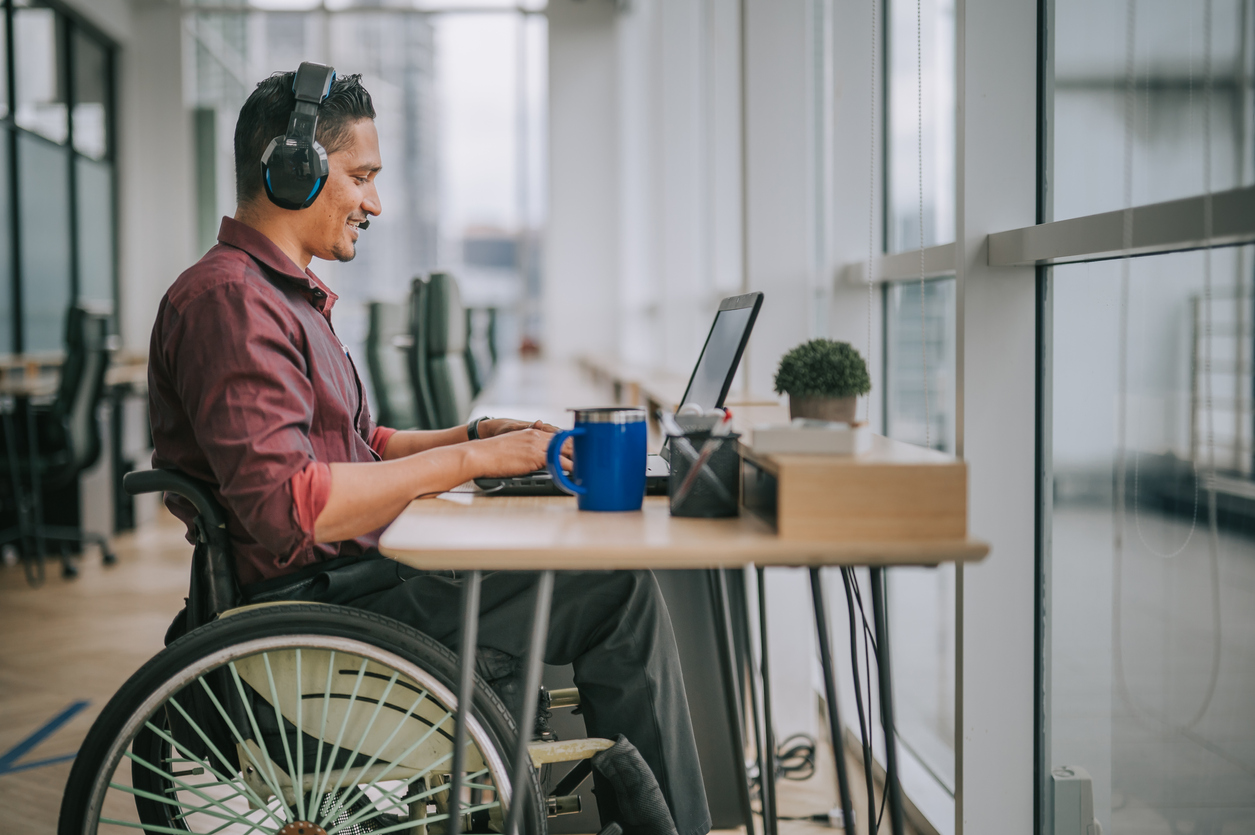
{"x": 370, "y": 201}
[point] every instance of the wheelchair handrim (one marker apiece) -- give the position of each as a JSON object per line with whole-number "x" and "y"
{"x": 221, "y": 658}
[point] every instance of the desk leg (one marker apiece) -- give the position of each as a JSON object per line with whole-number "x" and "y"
{"x": 767, "y": 762}
{"x": 731, "y": 690}
{"x": 830, "y": 693}
{"x": 466, "y": 694}
{"x": 886, "y": 700}
{"x": 533, "y": 664}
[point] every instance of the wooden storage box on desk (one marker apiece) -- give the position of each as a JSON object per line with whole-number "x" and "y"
{"x": 897, "y": 492}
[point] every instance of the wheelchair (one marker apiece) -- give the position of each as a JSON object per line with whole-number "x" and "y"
{"x": 301, "y": 719}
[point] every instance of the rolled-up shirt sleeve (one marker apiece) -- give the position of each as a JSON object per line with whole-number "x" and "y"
{"x": 379, "y": 437}
{"x": 251, "y": 405}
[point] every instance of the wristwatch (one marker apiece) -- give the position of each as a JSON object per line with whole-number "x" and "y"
{"x": 472, "y": 428}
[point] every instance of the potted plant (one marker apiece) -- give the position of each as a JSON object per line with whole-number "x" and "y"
{"x": 823, "y": 379}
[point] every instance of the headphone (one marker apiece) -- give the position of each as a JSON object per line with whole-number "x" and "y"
{"x": 294, "y": 166}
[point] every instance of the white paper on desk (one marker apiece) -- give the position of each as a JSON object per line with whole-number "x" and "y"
{"x": 457, "y": 498}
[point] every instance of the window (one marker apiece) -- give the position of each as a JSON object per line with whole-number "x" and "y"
{"x": 919, "y": 404}
{"x": 1167, "y": 107}
{"x": 919, "y": 56}
{"x": 43, "y": 192}
{"x": 61, "y": 203}
{"x": 38, "y": 40}
{"x": 1149, "y": 511}
{"x": 1150, "y": 685}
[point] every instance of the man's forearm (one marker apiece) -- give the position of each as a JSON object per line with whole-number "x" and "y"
{"x": 408, "y": 442}
{"x": 367, "y": 496}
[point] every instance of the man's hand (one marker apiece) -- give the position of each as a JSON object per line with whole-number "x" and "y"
{"x": 515, "y": 451}
{"x": 500, "y": 426}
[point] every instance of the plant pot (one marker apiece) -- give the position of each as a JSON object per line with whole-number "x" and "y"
{"x": 836, "y": 409}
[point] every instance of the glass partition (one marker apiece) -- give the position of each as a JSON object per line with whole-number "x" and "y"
{"x": 1151, "y": 552}
{"x": 44, "y": 197}
{"x": 94, "y": 208}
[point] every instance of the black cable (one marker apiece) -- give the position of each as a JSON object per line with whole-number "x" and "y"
{"x": 796, "y": 760}
{"x": 858, "y": 694}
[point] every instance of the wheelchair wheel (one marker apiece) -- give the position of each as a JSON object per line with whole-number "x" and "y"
{"x": 299, "y": 719}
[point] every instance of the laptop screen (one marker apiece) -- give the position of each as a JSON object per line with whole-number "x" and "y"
{"x": 717, "y": 364}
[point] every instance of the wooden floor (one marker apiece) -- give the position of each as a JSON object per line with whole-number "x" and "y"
{"x": 77, "y": 641}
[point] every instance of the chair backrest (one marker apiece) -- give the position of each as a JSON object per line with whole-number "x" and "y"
{"x": 387, "y": 342}
{"x": 448, "y": 375}
{"x": 82, "y": 384}
{"x": 416, "y": 355}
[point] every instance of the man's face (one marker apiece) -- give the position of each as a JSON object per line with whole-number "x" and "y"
{"x": 330, "y": 225}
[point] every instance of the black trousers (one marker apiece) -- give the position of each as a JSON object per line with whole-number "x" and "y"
{"x": 613, "y": 627}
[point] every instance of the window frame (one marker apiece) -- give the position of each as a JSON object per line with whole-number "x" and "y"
{"x": 70, "y": 24}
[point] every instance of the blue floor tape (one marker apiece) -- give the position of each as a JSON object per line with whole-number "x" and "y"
{"x": 9, "y": 759}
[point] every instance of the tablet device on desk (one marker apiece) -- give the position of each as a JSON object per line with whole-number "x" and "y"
{"x": 708, "y": 387}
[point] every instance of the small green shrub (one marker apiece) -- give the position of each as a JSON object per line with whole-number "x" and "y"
{"x": 823, "y": 368}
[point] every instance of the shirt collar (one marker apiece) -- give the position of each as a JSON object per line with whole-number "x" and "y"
{"x": 265, "y": 252}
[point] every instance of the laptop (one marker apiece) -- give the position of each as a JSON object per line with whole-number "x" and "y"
{"x": 708, "y": 387}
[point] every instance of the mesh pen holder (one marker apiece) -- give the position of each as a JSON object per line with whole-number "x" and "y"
{"x": 713, "y": 493}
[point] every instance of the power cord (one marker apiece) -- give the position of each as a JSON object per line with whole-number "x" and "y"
{"x": 795, "y": 758}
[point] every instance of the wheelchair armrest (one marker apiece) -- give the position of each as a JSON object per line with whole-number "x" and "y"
{"x": 171, "y": 481}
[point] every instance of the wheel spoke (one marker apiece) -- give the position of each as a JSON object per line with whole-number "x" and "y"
{"x": 326, "y": 702}
{"x": 465, "y": 810}
{"x": 344, "y": 723}
{"x": 283, "y": 733}
{"x": 261, "y": 743}
{"x": 362, "y": 771}
{"x": 357, "y": 749}
{"x": 208, "y": 809}
{"x": 214, "y": 748}
{"x": 414, "y": 747}
{"x": 233, "y": 815}
{"x": 391, "y": 795}
{"x": 300, "y": 739}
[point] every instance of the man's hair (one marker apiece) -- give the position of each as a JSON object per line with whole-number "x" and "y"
{"x": 266, "y": 113}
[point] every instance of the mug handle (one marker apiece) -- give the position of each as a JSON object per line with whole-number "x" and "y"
{"x": 555, "y": 466}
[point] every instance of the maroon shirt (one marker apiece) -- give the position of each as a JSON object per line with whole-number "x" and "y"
{"x": 251, "y": 391}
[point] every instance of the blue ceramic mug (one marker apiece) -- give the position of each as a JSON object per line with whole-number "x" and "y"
{"x": 609, "y": 459}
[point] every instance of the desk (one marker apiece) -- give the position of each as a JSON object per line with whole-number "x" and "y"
{"x": 550, "y": 533}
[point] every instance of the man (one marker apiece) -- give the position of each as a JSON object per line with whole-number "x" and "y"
{"x": 251, "y": 391}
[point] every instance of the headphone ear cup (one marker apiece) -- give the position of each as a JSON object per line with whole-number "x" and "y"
{"x": 293, "y": 174}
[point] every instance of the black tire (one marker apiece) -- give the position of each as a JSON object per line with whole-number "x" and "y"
{"x": 104, "y": 746}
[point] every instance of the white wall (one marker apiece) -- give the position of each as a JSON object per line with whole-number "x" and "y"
{"x": 155, "y": 166}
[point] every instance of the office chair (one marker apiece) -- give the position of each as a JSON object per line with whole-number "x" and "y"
{"x": 448, "y": 375}
{"x": 416, "y": 355}
{"x": 388, "y": 342}
{"x": 62, "y": 440}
